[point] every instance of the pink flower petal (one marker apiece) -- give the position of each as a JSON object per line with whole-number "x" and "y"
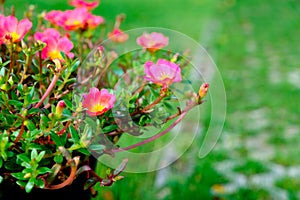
{"x": 64, "y": 45}
{"x": 23, "y": 27}
{"x": 163, "y": 73}
{"x": 10, "y": 24}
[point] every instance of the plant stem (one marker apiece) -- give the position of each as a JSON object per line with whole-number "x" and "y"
{"x": 40, "y": 68}
{"x": 20, "y": 133}
{"x": 25, "y": 68}
{"x": 11, "y": 64}
{"x": 161, "y": 96}
{"x": 182, "y": 115}
{"x": 69, "y": 180}
{"x": 48, "y": 91}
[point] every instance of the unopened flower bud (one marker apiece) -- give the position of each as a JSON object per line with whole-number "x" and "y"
{"x": 203, "y": 90}
{"x": 59, "y": 108}
{"x": 27, "y": 175}
{"x": 174, "y": 58}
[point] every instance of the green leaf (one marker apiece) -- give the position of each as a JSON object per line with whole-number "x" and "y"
{"x": 27, "y": 170}
{"x": 84, "y": 151}
{"x": 44, "y": 170}
{"x": 58, "y": 159}
{"x": 74, "y": 134}
{"x": 5, "y": 63}
{"x": 29, "y": 185}
{"x": 35, "y": 132}
{"x": 15, "y": 103}
{"x": 120, "y": 167}
{"x": 90, "y": 183}
{"x": 19, "y": 175}
{"x": 34, "y": 154}
{"x": 11, "y": 165}
{"x": 24, "y": 158}
{"x": 1, "y": 162}
{"x": 30, "y": 95}
{"x": 68, "y": 103}
{"x": 27, "y": 165}
{"x": 39, "y": 183}
{"x": 2, "y": 71}
{"x": 1, "y": 179}
{"x": 110, "y": 128}
{"x": 20, "y": 88}
{"x": 30, "y": 125}
{"x": 97, "y": 147}
{"x": 56, "y": 139}
{"x": 82, "y": 169}
{"x": 75, "y": 66}
{"x": 33, "y": 111}
{"x": 40, "y": 156}
{"x": 21, "y": 183}
{"x": 64, "y": 138}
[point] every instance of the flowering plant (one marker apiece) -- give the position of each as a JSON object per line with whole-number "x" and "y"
{"x": 58, "y": 109}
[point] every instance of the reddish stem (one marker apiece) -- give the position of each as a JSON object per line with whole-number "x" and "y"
{"x": 69, "y": 180}
{"x": 161, "y": 96}
{"x": 155, "y": 136}
{"x": 20, "y": 133}
{"x": 48, "y": 91}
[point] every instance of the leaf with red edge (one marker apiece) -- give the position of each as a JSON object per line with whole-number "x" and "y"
{"x": 82, "y": 169}
{"x": 120, "y": 167}
{"x": 90, "y": 183}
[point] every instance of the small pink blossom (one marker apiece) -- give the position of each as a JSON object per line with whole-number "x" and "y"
{"x": 11, "y": 30}
{"x": 92, "y": 21}
{"x": 55, "y": 44}
{"x": 84, "y": 4}
{"x": 98, "y": 102}
{"x": 78, "y": 18}
{"x": 54, "y": 17}
{"x": 117, "y": 36}
{"x": 153, "y": 41}
{"x": 162, "y": 73}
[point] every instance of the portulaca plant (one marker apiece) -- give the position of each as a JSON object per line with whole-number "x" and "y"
{"x": 48, "y": 130}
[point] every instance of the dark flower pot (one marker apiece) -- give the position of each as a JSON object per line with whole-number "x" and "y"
{"x": 11, "y": 191}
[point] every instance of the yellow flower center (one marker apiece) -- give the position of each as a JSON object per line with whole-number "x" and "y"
{"x": 164, "y": 76}
{"x": 15, "y": 36}
{"x": 55, "y": 54}
{"x": 97, "y": 108}
{"x": 73, "y": 22}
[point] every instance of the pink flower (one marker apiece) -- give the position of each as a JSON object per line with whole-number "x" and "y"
{"x": 55, "y": 44}
{"x": 11, "y": 30}
{"x": 84, "y": 4}
{"x": 78, "y": 18}
{"x": 54, "y": 17}
{"x": 98, "y": 102}
{"x": 93, "y": 21}
{"x": 117, "y": 36}
{"x": 162, "y": 73}
{"x": 153, "y": 41}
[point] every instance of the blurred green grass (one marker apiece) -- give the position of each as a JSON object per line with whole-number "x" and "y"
{"x": 256, "y": 47}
